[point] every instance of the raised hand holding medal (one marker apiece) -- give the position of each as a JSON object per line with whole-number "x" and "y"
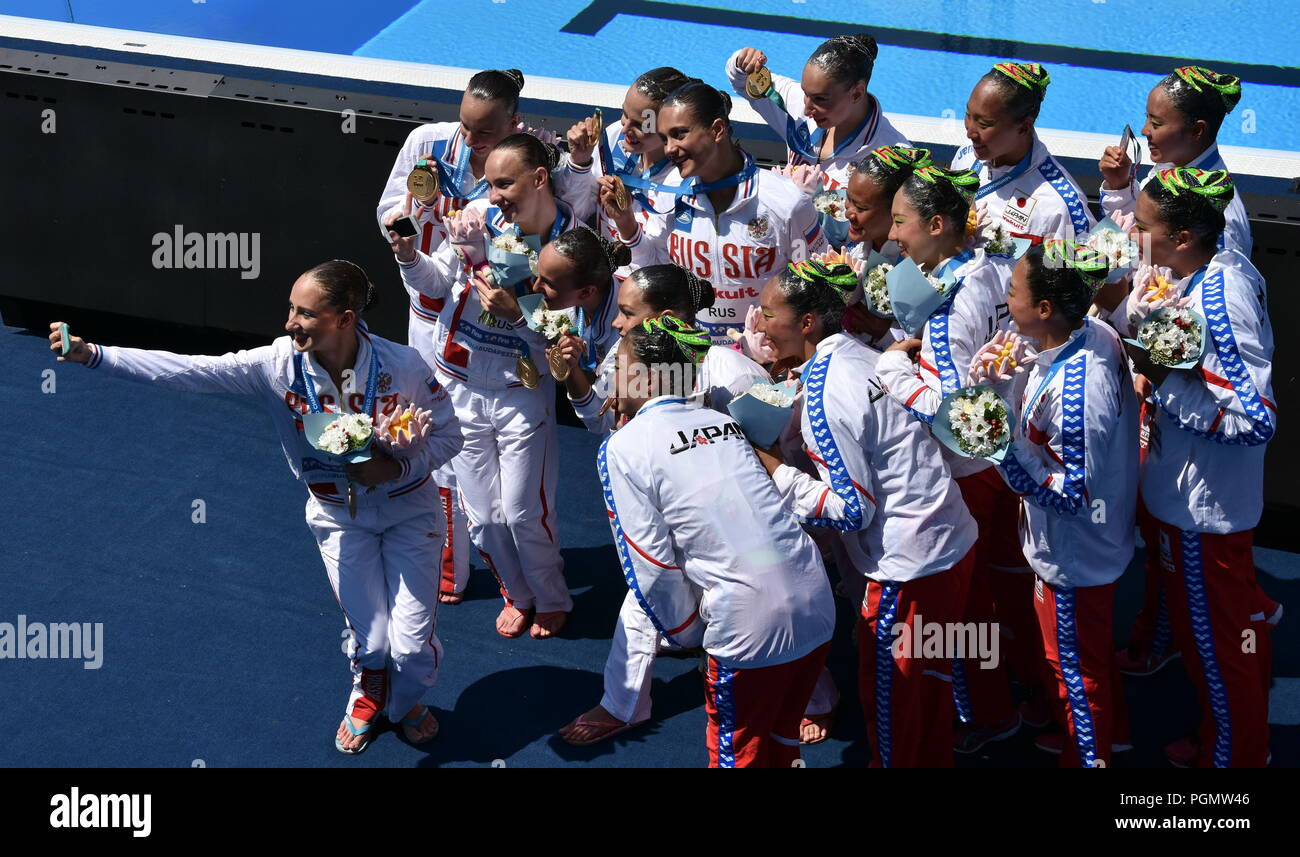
{"x": 423, "y": 182}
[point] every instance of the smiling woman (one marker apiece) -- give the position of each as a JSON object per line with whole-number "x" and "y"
{"x": 379, "y": 543}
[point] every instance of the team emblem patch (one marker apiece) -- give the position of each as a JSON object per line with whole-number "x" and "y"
{"x": 385, "y": 381}
{"x": 758, "y": 227}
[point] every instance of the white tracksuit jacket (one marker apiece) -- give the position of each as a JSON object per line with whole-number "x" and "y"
{"x": 724, "y": 374}
{"x": 443, "y": 139}
{"x": 879, "y": 131}
{"x": 1236, "y": 233}
{"x": 474, "y": 347}
{"x": 1074, "y": 460}
{"x": 884, "y": 484}
{"x": 687, "y": 497}
{"x": 1204, "y": 469}
{"x": 269, "y": 373}
{"x": 768, "y": 224}
{"x": 1044, "y": 201}
{"x": 950, "y": 338}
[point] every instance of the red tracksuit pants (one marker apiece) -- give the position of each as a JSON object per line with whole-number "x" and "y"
{"x": 754, "y": 714}
{"x": 1214, "y": 609}
{"x": 1078, "y": 626}
{"x": 907, "y": 700}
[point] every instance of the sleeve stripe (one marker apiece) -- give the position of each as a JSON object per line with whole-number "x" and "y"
{"x": 647, "y": 556}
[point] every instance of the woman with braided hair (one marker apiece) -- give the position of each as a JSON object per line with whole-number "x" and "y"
{"x": 886, "y": 488}
{"x": 1073, "y": 460}
{"x": 377, "y": 523}
{"x": 496, "y": 372}
{"x": 1184, "y": 113}
{"x": 631, "y": 151}
{"x": 704, "y": 538}
{"x": 930, "y": 212}
{"x": 1024, "y": 188}
{"x": 828, "y": 118}
{"x": 732, "y": 224}
{"x": 673, "y": 296}
{"x": 1204, "y": 466}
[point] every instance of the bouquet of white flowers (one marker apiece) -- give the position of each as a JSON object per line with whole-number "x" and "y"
{"x": 876, "y": 291}
{"x": 975, "y": 422}
{"x": 996, "y": 240}
{"x": 830, "y": 203}
{"x": 1174, "y": 337}
{"x": 347, "y": 433}
{"x": 551, "y": 323}
{"x": 513, "y": 257}
{"x": 763, "y": 412}
{"x": 1112, "y": 242}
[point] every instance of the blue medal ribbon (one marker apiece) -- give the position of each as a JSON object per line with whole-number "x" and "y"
{"x": 807, "y": 144}
{"x": 997, "y": 184}
{"x": 626, "y": 170}
{"x": 451, "y": 183}
{"x": 309, "y": 388}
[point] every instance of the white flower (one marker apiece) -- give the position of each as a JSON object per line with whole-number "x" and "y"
{"x": 347, "y": 433}
{"x": 1116, "y": 246}
{"x": 829, "y": 202}
{"x": 776, "y": 396}
{"x": 552, "y": 323}
{"x": 877, "y": 290}
{"x": 938, "y": 285}
{"x": 979, "y": 423}
{"x": 996, "y": 240}
{"x": 511, "y": 242}
{"x": 1172, "y": 338}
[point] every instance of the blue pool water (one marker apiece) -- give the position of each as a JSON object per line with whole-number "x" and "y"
{"x": 1094, "y": 45}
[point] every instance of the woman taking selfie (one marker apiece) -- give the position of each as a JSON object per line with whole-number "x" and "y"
{"x": 381, "y": 554}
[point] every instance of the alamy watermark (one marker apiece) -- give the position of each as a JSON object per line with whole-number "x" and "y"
{"x": 947, "y": 640}
{"x": 206, "y": 250}
{"x": 25, "y": 640}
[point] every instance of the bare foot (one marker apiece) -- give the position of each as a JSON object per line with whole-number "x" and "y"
{"x": 512, "y": 622}
{"x": 590, "y": 726}
{"x": 451, "y": 597}
{"x": 815, "y": 728}
{"x": 428, "y": 728}
{"x": 347, "y": 739}
{"x": 549, "y": 624}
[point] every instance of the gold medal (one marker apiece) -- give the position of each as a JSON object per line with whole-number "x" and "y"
{"x": 527, "y": 372}
{"x": 758, "y": 83}
{"x": 559, "y": 366}
{"x": 423, "y": 181}
{"x": 620, "y": 194}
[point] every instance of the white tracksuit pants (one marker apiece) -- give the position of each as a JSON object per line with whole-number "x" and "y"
{"x": 382, "y": 568}
{"x": 507, "y": 472}
{"x": 453, "y": 564}
{"x": 630, "y": 665}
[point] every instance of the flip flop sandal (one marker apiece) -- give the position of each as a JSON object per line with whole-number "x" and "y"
{"x": 829, "y": 719}
{"x": 528, "y": 623}
{"x": 360, "y": 748}
{"x": 611, "y": 731}
{"x": 414, "y": 723}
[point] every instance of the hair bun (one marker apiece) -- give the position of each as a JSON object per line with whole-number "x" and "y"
{"x": 702, "y": 294}
{"x": 516, "y": 75}
{"x": 1200, "y": 78}
{"x": 1030, "y": 75}
{"x": 617, "y": 254}
{"x": 1214, "y": 186}
{"x": 867, "y": 43}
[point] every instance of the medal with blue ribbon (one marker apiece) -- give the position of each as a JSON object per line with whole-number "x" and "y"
{"x": 313, "y": 403}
